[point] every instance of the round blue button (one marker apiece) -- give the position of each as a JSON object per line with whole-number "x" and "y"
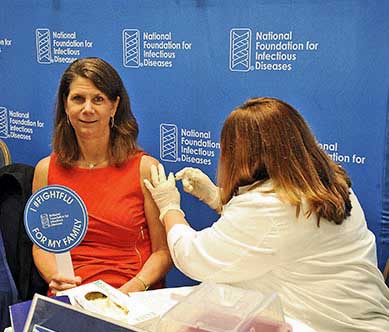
{"x": 55, "y": 218}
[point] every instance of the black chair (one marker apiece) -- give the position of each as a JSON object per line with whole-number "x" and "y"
{"x": 19, "y": 278}
{"x": 5, "y": 156}
{"x": 8, "y": 291}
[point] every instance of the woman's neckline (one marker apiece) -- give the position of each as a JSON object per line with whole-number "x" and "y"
{"x": 92, "y": 166}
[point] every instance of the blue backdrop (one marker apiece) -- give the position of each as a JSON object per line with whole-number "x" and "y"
{"x": 187, "y": 64}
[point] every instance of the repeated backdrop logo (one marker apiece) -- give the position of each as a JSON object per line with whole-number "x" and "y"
{"x": 151, "y": 49}
{"x": 18, "y": 125}
{"x": 51, "y": 47}
{"x": 197, "y": 147}
{"x": 266, "y": 50}
{"x": 59, "y": 46}
{"x": 279, "y": 51}
{"x": 187, "y": 145}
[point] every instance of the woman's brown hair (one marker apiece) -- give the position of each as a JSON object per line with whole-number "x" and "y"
{"x": 124, "y": 132}
{"x": 266, "y": 138}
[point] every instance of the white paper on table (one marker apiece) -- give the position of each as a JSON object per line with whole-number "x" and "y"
{"x": 153, "y": 304}
{"x": 146, "y": 308}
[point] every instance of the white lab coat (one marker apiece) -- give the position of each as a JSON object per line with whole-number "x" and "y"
{"x": 326, "y": 277}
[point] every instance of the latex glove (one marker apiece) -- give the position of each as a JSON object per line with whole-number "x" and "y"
{"x": 197, "y": 183}
{"x": 163, "y": 190}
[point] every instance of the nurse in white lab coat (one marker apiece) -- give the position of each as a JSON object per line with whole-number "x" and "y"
{"x": 290, "y": 223}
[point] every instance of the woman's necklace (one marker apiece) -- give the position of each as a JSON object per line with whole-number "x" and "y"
{"x": 93, "y": 165}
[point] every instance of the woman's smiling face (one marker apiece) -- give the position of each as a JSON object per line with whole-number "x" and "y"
{"x": 89, "y": 109}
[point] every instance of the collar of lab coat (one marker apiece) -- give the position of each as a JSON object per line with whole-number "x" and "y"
{"x": 258, "y": 185}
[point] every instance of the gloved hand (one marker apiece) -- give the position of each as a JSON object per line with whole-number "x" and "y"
{"x": 163, "y": 190}
{"x": 197, "y": 183}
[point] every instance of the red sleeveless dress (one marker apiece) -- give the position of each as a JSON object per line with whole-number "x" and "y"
{"x": 117, "y": 242}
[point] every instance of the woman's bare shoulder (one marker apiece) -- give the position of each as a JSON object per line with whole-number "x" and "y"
{"x": 43, "y": 163}
{"x": 41, "y": 173}
{"x": 145, "y": 165}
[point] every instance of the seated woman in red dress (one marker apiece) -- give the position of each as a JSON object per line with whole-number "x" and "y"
{"x": 95, "y": 153}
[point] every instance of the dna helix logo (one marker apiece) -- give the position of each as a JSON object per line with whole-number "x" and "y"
{"x": 43, "y": 46}
{"x": 168, "y": 142}
{"x": 240, "y": 49}
{"x": 131, "y": 48}
{"x": 3, "y": 122}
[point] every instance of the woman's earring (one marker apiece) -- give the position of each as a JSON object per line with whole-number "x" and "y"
{"x": 112, "y": 121}
{"x": 67, "y": 119}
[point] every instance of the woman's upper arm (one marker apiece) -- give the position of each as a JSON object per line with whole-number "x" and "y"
{"x": 156, "y": 229}
{"x": 40, "y": 174}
